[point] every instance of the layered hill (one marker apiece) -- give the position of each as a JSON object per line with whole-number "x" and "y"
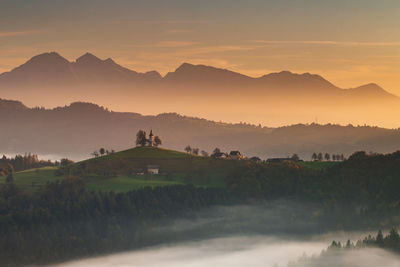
{"x": 78, "y": 129}
{"x": 275, "y": 99}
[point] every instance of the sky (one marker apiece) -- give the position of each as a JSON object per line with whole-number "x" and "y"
{"x": 349, "y": 42}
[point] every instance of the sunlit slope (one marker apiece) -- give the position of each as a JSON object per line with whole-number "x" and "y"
{"x": 122, "y": 171}
{"x": 127, "y": 170}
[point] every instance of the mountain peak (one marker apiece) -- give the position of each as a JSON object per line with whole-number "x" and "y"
{"x": 371, "y": 89}
{"x": 88, "y": 58}
{"x": 202, "y": 73}
{"x": 289, "y": 79}
{"x": 47, "y": 58}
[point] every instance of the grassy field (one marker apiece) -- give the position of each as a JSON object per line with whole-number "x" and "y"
{"x": 174, "y": 166}
{"x": 127, "y": 183}
{"x": 318, "y": 165}
{"x": 32, "y": 179}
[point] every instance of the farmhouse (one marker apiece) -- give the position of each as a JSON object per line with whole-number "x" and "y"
{"x": 255, "y": 159}
{"x": 279, "y": 160}
{"x": 235, "y": 155}
{"x": 220, "y": 155}
{"x": 153, "y": 169}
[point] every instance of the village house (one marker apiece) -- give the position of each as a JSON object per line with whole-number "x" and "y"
{"x": 220, "y": 155}
{"x": 235, "y": 155}
{"x": 255, "y": 159}
{"x": 153, "y": 169}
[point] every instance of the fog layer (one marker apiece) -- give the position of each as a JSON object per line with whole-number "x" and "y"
{"x": 272, "y": 234}
{"x": 242, "y": 251}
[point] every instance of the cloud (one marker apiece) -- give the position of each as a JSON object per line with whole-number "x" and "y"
{"x": 17, "y": 33}
{"x": 216, "y": 49}
{"x": 174, "y": 44}
{"x": 177, "y": 31}
{"x": 335, "y": 43}
{"x": 128, "y": 21}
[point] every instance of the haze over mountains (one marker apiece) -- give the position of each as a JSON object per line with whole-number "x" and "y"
{"x": 274, "y": 99}
{"x": 80, "y": 128}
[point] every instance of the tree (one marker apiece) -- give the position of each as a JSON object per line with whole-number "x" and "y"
{"x": 195, "y": 151}
{"x": 334, "y": 157}
{"x": 216, "y": 151}
{"x": 188, "y": 149}
{"x": 141, "y": 139}
{"x": 295, "y": 157}
{"x": 379, "y": 239}
{"x": 10, "y": 178}
{"x": 157, "y": 141}
{"x": 320, "y": 157}
{"x": 65, "y": 162}
{"x": 204, "y": 153}
{"x": 102, "y": 151}
{"x": 327, "y": 157}
{"x": 314, "y": 156}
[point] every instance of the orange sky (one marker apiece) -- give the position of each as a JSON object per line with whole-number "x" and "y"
{"x": 350, "y": 42}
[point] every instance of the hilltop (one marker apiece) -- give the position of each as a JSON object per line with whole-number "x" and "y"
{"x": 130, "y": 166}
{"x": 127, "y": 170}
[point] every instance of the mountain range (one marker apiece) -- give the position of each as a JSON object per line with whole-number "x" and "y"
{"x": 80, "y": 128}
{"x": 274, "y": 99}
{"x": 53, "y": 69}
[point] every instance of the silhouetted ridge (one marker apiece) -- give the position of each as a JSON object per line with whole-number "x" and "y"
{"x": 370, "y": 89}
{"x": 11, "y": 104}
{"x": 202, "y": 73}
{"x": 83, "y": 107}
{"x": 50, "y": 70}
{"x": 287, "y": 78}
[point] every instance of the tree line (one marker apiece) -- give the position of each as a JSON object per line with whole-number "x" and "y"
{"x": 101, "y": 152}
{"x": 389, "y": 242}
{"x": 28, "y": 161}
{"x": 327, "y": 157}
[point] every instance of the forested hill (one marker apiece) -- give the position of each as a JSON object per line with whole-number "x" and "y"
{"x": 357, "y": 194}
{"x": 85, "y": 127}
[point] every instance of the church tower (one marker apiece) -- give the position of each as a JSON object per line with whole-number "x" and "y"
{"x": 151, "y": 138}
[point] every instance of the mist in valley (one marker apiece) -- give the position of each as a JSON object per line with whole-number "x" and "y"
{"x": 241, "y": 251}
{"x": 276, "y": 234}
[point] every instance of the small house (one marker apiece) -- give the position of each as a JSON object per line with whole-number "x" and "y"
{"x": 279, "y": 160}
{"x": 219, "y": 155}
{"x": 255, "y": 159}
{"x": 153, "y": 169}
{"x": 235, "y": 155}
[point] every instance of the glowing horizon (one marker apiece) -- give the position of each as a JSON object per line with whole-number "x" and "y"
{"x": 349, "y": 43}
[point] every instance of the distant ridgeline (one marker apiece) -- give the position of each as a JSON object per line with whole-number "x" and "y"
{"x": 83, "y": 127}
{"x": 67, "y": 219}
